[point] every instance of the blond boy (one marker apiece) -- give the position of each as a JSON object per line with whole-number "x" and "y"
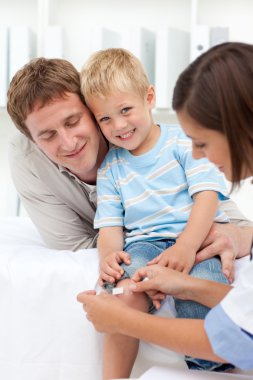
{"x": 155, "y": 203}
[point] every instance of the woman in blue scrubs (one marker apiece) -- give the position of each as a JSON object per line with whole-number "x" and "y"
{"x": 213, "y": 99}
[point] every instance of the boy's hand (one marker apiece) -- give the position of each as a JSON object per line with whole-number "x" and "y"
{"x": 176, "y": 258}
{"x": 110, "y": 270}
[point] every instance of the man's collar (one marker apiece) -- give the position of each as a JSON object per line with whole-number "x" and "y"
{"x": 62, "y": 169}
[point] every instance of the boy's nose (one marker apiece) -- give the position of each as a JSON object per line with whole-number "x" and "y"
{"x": 120, "y": 123}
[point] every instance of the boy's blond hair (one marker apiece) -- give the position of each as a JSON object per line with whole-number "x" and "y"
{"x": 111, "y": 70}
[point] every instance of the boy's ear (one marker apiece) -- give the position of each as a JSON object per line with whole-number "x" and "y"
{"x": 151, "y": 98}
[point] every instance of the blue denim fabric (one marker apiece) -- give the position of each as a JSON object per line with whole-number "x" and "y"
{"x": 141, "y": 253}
{"x": 209, "y": 270}
{"x": 144, "y": 251}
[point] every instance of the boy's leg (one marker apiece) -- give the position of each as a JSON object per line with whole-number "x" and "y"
{"x": 141, "y": 253}
{"x": 210, "y": 269}
{"x": 120, "y": 351}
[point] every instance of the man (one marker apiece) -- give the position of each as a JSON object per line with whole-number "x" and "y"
{"x": 54, "y": 162}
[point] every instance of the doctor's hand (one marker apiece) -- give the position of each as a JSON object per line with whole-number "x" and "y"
{"x": 161, "y": 280}
{"x": 105, "y": 311}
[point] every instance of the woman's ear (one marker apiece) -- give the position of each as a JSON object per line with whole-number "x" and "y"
{"x": 151, "y": 97}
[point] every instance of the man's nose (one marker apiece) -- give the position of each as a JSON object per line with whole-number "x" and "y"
{"x": 67, "y": 140}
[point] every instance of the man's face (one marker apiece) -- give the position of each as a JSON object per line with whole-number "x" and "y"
{"x": 65, "y": 131}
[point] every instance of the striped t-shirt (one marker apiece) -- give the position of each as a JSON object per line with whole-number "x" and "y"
{"x": 151, "y": 195}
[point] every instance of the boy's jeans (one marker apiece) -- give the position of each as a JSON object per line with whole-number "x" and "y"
{"x": 144, "y": 251}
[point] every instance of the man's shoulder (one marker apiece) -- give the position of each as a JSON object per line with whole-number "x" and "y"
{"x": 20, "y": 146}
{"x": 25, "y": 156}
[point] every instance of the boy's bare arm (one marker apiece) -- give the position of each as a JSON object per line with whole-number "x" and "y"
{"x": 200, "y": 221}
{"x": 182, "y": 255}
{"x": 111, "y": 254}
{"x": 110, "y": 239}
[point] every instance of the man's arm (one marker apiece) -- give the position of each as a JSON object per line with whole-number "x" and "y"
{"x": 243, "y": 233}
{"x": 229, "y": 242}
{"x": 57, "y": 205}
{"x": 234, "y": 213}
{"x": 60, "y": 226}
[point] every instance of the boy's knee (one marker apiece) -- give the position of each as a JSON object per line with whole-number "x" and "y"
{"x": 138, "y": 301}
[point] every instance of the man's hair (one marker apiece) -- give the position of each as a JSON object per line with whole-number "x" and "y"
{"x": 216, "y": 90}
{"x": 38, "y": 83}
{"x": 110, "y": 70}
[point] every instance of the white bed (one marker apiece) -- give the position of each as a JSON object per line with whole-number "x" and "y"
{"x": 44, "y": 334}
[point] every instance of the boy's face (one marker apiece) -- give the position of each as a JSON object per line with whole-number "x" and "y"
{"x": 125, "y": 119}
{"x": 65, "y": 131}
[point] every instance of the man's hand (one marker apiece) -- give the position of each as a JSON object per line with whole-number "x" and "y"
{"x": 110, "y": 269}
{"x": 222, "y": 240}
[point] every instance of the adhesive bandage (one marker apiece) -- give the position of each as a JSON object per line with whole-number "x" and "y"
{"x": 117, "y": 291}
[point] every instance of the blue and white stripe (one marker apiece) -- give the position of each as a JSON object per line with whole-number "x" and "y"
{"x": 151, "y": 195}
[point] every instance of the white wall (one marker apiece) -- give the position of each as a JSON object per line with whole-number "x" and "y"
{"x": 78, "y": 18}
{"x": 8, "y": 197}
{"x": 244, "y": 198}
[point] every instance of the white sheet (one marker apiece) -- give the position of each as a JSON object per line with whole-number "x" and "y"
{"x": 44, "y": 334}
{"x": 162, "y": 373}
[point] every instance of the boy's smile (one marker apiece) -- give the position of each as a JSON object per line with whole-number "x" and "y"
{"x": 127, "y": 135}
{"x": 126, "y": 121}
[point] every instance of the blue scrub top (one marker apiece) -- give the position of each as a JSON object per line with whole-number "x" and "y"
{"x": 228, "y": 340}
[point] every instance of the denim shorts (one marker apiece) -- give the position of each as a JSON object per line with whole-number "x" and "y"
{"x": 142, "y": 252}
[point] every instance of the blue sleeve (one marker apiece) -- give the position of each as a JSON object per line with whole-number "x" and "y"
{"x": 228, "y": 340}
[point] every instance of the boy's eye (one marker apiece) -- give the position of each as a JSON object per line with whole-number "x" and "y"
{"x": 125, "y": 110}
